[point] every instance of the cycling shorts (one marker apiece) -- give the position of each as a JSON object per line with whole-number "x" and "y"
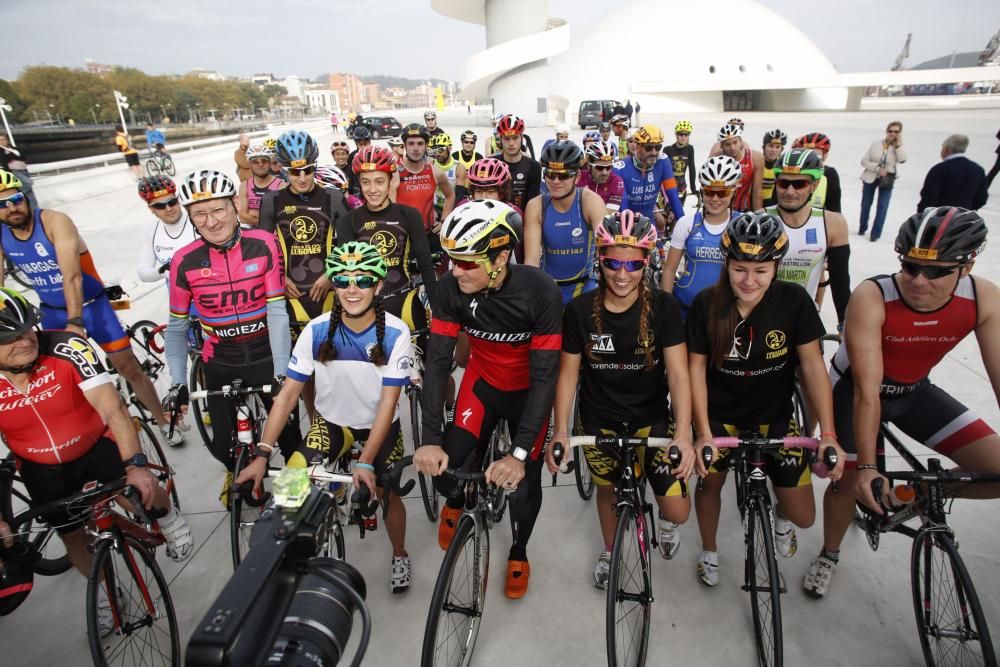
{"x": 605, "y": 463}
{"x": 328, "y": 441}
{"x": 928, "y": 414}
{"x": 99, "y": 319}
{"x": 48, "y": 483}
{"x": 572, "y": 290}
{"x": 788, "y": 468}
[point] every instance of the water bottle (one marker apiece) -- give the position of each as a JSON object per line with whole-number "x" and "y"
{"x": 901, "y": 496}
{"x": 244, "y": 427}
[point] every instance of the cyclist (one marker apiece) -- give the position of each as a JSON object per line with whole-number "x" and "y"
{"x": 624, "y": 386}
{"x": 64, "y": 421}
{"x": 235, "y": 277}
{"x": 12, "y": 160}
{"x": 124, "y": 144}
{"x": 398, "y": 149}
{"x": 431, "y": 123}
{"x": 814, "y": 235}
{"x": 303, "y": 218}
{"x": 156, "y": 142}
{"x": 47, "y": 248}
{"x": 419, "y": 179}
{"x": 774, "y": 144}
{"x": 171, "y": 231}
{"x": 334, "y": 177}
{"x": 748, "y": 195}
{"x": 261, "y": 181}
{"x": 647, "y": 174}
{"x": 467, "y": 154}
{"x": 681, "y": 155}
{"x": 620, "y": 125}
{"x": 697, "y": 236}
{"x": 439, "y": 150}
{"x": 745, "y": 336}
{"x": 361, "y": 346}
{"x": 493, "y": 140}
{"x": 589, "y": 139}
{"x": 605, "y": 129}
{"x": 340, "y": 150}
{"x": 827, "y": 194}
{"x": 599, "y": 176}
{"x": 512, "y": 314}
{"x": 562, "y": 134}
{"x": 559, "y": 225}
{"x": 898, "y": 328}
{"x": 362, "y": 136}
{"x": 525, "y": 172}
{"x": 396, "y": 230}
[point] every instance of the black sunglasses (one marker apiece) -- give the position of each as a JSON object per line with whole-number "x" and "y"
{"x": 159, "y": 206}
{"x": 785, "y": 183}
{"x": 932, "y": 272}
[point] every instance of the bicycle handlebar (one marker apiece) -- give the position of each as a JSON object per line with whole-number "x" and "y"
{"x": 230, "y": 391}
{"x": 361, "y": 498}
{"x": 727, "y": 442}
{"x": 618, "y": 441}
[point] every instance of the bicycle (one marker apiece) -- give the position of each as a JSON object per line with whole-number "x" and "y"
{"x": 581, "y": 471}
{"x": 125, "y": 568}
{"x": 159, "y": 162}
{"x": 950, "y": 620}
{"x": 761, "y": 576}
{"x": 53, "y": 559}
{"x": 630, "y": 582}
{"x": 245, "y": 504}
{"x": 11, "y": 270}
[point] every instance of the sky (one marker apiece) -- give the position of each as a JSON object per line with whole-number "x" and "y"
{"x": 407, "y": 38}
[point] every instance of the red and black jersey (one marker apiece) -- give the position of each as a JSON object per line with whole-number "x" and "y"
{"x": 515, "y": 338}
{"x": 52, "y": 422}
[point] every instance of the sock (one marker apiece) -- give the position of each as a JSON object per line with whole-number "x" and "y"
{"x": 710, "y": 556}
{"x": 517, "y": 552}
{"x": 168, "y": 520}
{"x": 830, "y": 555}
{"x": 608, "y": 547}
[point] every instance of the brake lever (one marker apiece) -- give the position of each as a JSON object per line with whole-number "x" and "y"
{"x": 245, "y": 491}
{"x": 674, "y": 456}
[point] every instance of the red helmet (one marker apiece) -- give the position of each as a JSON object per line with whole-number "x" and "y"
{"x": 510, "y": 125}
{"x": 152, "y": 187}
{"x": 374, "y": 158}
{"x": 488, "y": 173}
{"x": 816, "y": 140}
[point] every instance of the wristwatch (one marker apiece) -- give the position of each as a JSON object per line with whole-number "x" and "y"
{"x": 139, "y": 460}
{"x": 520, "y": 453}
{"x": 76, "y": 321}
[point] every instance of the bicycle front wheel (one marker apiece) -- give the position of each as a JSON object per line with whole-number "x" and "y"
{"x": 950, "y": 620}
{"x": 54, "y": 559}
{"x": 157, "y": 461}
{"x": 428, "y": 492}
{"x": 242, "y": 516}
{"x": 168, "y": 167}
{"x": 152, "y": 167}
{"x": 763, "y": 583}
{"x": 139, "y": 625}
{"x": 584, "y": 480}
{"x": 199, "y": 409}
{"x": 459, "y": 599}
{"x": 630, "y": 592}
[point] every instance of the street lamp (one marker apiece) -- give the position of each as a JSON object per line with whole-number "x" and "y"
{"x": 4, "y": 108}
{"x": 93, "y": 113}
{"x": 122, "y": 102}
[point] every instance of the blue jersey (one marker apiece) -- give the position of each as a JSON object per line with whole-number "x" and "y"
{"x": 642, "y": 187}
{"x": 567, "y": 246}
{"x": 703, "y": 263}
{"x": 36, "y": 259}
{"x": 154, "y": 137}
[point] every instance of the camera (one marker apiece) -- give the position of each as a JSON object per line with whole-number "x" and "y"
{"x": 284, "y": 605}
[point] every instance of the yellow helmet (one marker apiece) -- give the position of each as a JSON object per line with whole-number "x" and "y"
{"x": 439, "y": 141}
{"x": 9, "y": 181}
{"x": 648, "y": 134}
{"x": 684, "y": 126}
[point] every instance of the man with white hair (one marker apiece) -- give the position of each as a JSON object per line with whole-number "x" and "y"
{"x": 955, "y": 180}
{"x": 562, "y": 134}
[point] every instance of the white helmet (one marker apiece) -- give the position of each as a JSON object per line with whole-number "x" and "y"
{"x": 330, "y": 176}
{"x": 479, "y": 227}
{"x": 602, "y": 152}
{"x": 730, "y": 130}
{"x": 204, "y": 185}
{"x": 562, "y": 128}
{"x": 497, "y": 117}
{"x": 395, "y": 141}
{"x": 720, "y": 171}
{"x": 259, "y": 149}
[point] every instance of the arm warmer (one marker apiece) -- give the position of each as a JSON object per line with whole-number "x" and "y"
{"x": 279, "y": 335}
{"x": 176, "y": 348}
{"x": 840, "y": 278}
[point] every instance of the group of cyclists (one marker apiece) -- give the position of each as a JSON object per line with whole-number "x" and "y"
{"x": 303, "y": 275}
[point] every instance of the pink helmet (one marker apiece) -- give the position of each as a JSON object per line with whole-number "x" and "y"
{"x": 488, "y": 173}
{"x": 626, "y": 228}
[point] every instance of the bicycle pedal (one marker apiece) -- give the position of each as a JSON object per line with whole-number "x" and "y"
{"x": 371, "y": 523}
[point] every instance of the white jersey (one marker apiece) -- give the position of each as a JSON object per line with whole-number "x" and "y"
{"x": 807, "y": 246}
{"x": 348, "y": 389}
{"x": 158, "y": 244}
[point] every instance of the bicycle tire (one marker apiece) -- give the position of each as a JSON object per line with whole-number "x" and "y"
{"x": 800, "y": 408}
{"x": 139, "y": 566}
{"x": 950, "y": 620}
{"x": 445, "y": 606}
{"x": 333, "y": 542}
{"x": 152, "y": 167}
{"x": 498, "y": 446}
{"x": 581, "y": 471}
{"x": 49, "y": 565}
{"x": 168, "y": 167}
{"x": 428, "y": 492}
{"x": 763, "y": 583}
{"x": 199, "y": 408}
{"x": 241, "y": 516}
{"x": 630, "y": 592}
{"x": 157, "y": 461}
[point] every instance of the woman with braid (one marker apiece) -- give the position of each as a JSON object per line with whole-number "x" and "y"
{"x": 623, "y": 345}
{"x": 360, "y": 356}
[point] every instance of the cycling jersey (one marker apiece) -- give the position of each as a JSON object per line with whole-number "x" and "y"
{"x": 449, "y": 170}
{"x": 682, "y": 160}
{"x": 232, "y": 290}
{"x": 467, "y": 161}
{"x": 767, "y": 185}
{"x": 827, "y": 193}
{"x": 416, "y": 189}
{"x": 53, "y": 423}
{"x": 349, "y": 388}
{"x": 743, "y": 199}
{"x": 255, "y": 195}
{"x": 158, "y": 244}
{"x": 703, "y": 260}
{"x": 526, "y": 180}
{"x": 807, "y": 247}
{"x": 567, "y": 246}
{"x": 755, "y": 382}
{"x": 612, "y": 191}
{"x": 643, "y": 186}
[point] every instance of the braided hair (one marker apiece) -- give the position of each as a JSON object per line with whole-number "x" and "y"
{"x": 328, "y": 349}
{"x": 645, "y": 299}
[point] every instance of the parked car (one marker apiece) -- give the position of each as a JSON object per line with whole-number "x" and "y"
{"x": 383, "y": 126}
{"x": 594, "y": 112}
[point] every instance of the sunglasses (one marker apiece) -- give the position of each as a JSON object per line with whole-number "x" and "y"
{"x": 363, "y": 282}
{"x": 893, "y": 131}
{"x": 559, "y": 175}
{"x": 630, "y": 265}
{"x": 682, "y": 134}
{"x": 720, "y": 193}
{"x": 304, "y": 171}
{"x": 468, "y": 264}
{"x": 784, "y": 184}
{"x": 600, "y": 167}
{"x": 932, "y": 272}
{"x": 15, "y": 199}
{"x": 469, "y": 143}
{"x": 656, "y": 148}
{"x": 159, "y": 206}
{"x": 260, "y": 160}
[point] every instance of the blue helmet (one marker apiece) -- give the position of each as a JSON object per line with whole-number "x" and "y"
{"x": 296, "y": 149}
{"x": 592, "y": 135}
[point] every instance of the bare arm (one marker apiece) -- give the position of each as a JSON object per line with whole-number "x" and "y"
{"x": 988, "y": 331}
{"x": 383, "y": 421}
{"x": 533, "y": 232}
{"x": 444, "y": 185}
{"x": 670, "y": 269}
{"x": 698, "y": 370}
{"x": 817, "y": 382}
{"x": 66, "y": 240}
{"x": 247, "y": 215}
{"x": 679, "y": 383}
{"x": 281, "y": 408}
{"x": 107, "y": 402}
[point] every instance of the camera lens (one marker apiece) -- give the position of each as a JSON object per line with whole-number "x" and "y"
{"x": 319, "y": 619}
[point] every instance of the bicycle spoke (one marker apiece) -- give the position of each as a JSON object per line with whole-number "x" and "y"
{"x": 631, "y": 590}
{"x": 461, "y": 609}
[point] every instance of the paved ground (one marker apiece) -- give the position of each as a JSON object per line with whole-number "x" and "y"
{"x": 866, "y": 620}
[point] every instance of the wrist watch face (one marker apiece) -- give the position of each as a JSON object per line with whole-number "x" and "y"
{"x": 139, "y": 460}
{"x": 520, "y": 453}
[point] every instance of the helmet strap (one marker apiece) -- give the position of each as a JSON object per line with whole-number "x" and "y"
{"x": 17, "y": 370}
{"x": 222, "y": 247}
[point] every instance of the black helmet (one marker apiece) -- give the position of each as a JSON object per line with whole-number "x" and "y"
{"x": 561, "y": 155}
{"x": 945, "y": 234}
{"x": 361, "y": 133}
{"x": 755, "y": 236}
{"x": 17, "y": 315}
{"x": 415, "y": 130}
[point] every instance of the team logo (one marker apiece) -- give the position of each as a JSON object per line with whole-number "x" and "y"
{"x": 81, "y": 354}
{"x": 290, "y": 209}
{"x": 742, "y": 342}
{"x": 775, "y": 339}
{"x": 303, "y": 229}
{"x": 649, "y": 178}
{"x": 405, "y": 364}
{"x": 472, "y": 306}
{"x": 40, "y": 249}
{"x": 811, "y": 236}
{"x": 602, "y": 343}
{"x": 645, "y": 339}
{"x": 369, "y": 349}
{"x": 385, "y": 242}
{"x": 577, "y": 232}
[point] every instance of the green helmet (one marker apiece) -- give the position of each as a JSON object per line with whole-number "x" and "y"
{"x": 355, "y": 256}
{"x": 803, "y": 161}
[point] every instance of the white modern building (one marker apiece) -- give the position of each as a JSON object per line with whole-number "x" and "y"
{"x": 293, "y": 85}
{"x": 322, "y": 100}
